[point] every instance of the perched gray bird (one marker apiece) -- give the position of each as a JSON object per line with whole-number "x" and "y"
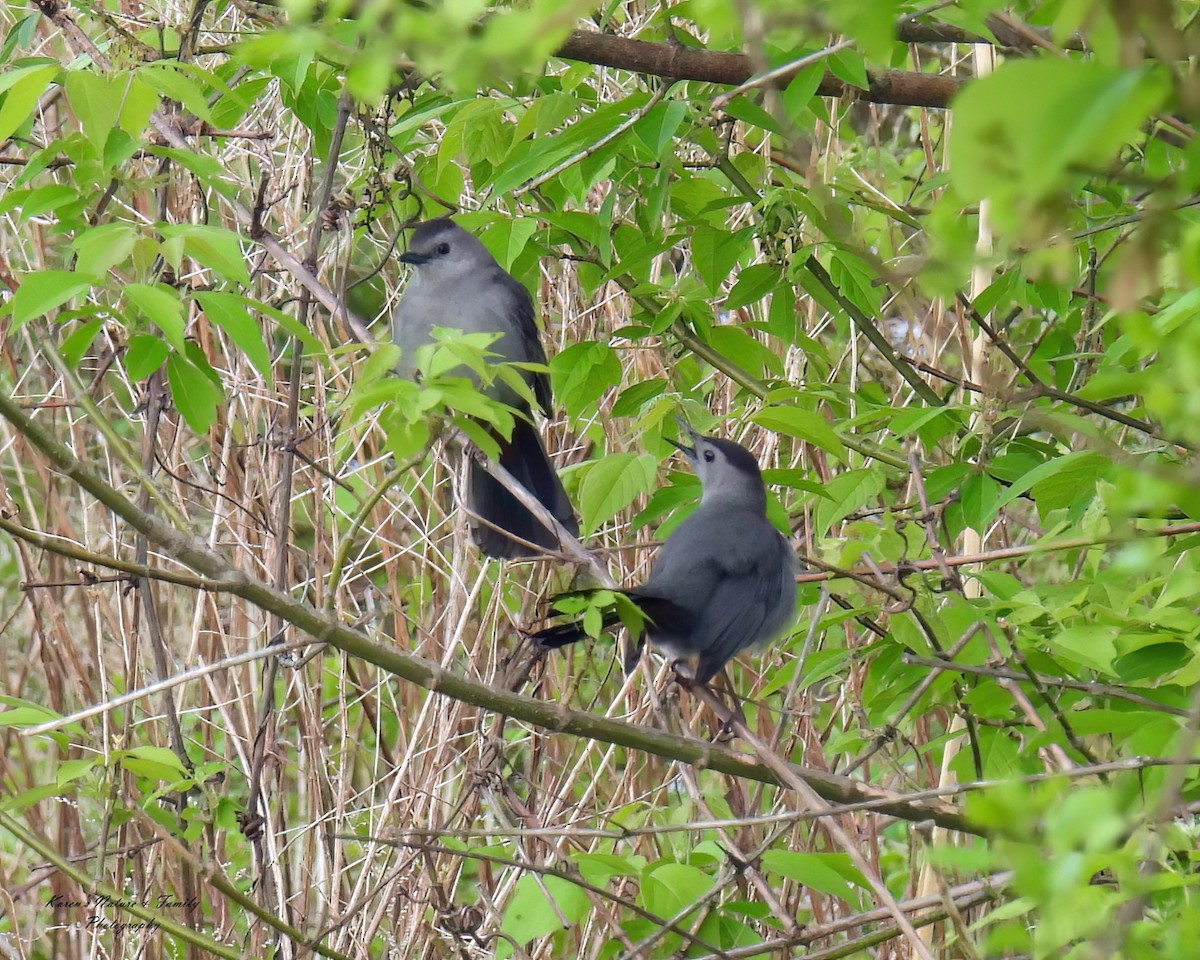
{"x": 725, "y": 578}
{"x": 457, "y": 284}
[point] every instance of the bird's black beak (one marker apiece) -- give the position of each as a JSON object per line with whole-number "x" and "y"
{"x": 689, "y": 452}
{"x": 416, "y": 259}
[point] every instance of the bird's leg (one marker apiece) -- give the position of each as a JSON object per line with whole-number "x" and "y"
{"x": 687, "y": 681}
{"x": 737, "y": 715}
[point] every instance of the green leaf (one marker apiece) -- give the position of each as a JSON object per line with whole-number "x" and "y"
{"x": 215, "y": 247}
{"x": 99, "y": 249}
{"x": 738, "y": 344}
{"x": 75, "y": 346}
{"x": 871, "y": 23}
{"x": 611, "y": 484}
{"x": 1058, "y": 482}
{"x": 635, "y": 396}
{"x": 1091, "y": 645}
{"x": 802, "y": 88}
{"x": 806, "y": 425}
{"x": 979, "y": 498}
{"x": 32, "y": 203}
{"x": 753, "y": 283}
{"x": 145, "y": 354}
{"x": 195, "y": 395}
{"x": 827, "y": 872}
{"x": 162, "y": 307}
{"x": 174, "y": 83}
{"x": 714, "y": 252}
{"x": 530, "y": 914}
{"x": 28, "y": 715}
{"x": 669, "y": 888}
{"x": 41, "y": 292}
{"x": 230, "y": 313}
{"x": 847, "y": 492}
{"x": 1075, "y": 113}
{"x": 506, "y": 239}
{"x": 27, "y": 798}
{"x": 657, "y": 129}
{"x": 25, "y": 86}
{"x": 583, "y": 373}
{"x": 850, "y": 66}
{"x": 139, "y": 101}
{"x": 1155, "y": 662}
{"x": 96, "y": 101}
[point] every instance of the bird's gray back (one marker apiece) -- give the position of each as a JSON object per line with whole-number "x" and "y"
{"x": 733, "y": 573}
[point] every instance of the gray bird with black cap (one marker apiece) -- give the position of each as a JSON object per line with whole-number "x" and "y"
{"x": 457, "y": 284}
{"x": 723, "y": 581}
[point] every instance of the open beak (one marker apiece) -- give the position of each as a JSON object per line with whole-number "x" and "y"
{"x": 689, "y": 452}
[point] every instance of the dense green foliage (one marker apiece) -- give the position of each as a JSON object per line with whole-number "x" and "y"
{"x": 938, "y": 275}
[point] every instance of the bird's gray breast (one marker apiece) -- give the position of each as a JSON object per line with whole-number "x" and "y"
{"x": 470, "y": 304}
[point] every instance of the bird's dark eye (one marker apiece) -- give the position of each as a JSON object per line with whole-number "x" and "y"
{"x": 443, "y": 249}
{"x": 709, "y": 456}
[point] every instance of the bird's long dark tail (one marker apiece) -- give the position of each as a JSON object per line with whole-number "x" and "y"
{"x": 563, "y": 634}
{"x": 525, "y": 458}
{"x": 660, "y": 613}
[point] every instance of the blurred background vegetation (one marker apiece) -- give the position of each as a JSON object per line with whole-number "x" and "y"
{"x": 934, "y": 264}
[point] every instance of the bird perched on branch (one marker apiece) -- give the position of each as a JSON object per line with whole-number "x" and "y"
{"x": 457, "y": 284}
{"x": 725, "y": 578}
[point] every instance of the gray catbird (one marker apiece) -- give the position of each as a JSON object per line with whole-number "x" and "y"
{"x": 725, "y": 578}
{"x": 458, "y": 284}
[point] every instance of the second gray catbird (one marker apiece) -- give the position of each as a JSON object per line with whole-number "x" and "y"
{"x": 457, "y": 284}
{"x": 725, "y": 578}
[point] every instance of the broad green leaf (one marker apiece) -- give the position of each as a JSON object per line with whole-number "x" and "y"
{"x": 670, "y": 888}
{"x": 229, "y": 312}
{"x": 830, "y": 873}
{"x": 610, "y": 484}
{"x": 12, "y": 803}
{"x": 40, "y": 293}
{"x": 1091, "y": 645}
{"x": 871, "y": 23}
{"x": 1155, "y": 662}
{"x": 1074, "y": 114}
{"x": 847, "y": 492}
{"x": 28, "y": 715}
{"x": 160, "y": 755}
{"x": 753, "y": 283}
{"x": 807, "y": 425}
{"x": 506, "y": 239}
{"x": 529, "y": 914}
{"x": 657, "y": 129}
{"x": 71, "y": 770}
{"x": 1058, "y": 482}
{"x": 979, "y": 498}
{"x": 162, "y": 307}
{"x": 215, "y": 247}
{"x": 96, "y": 101}
{"x": 194, "y": 394}
{"x": 738, "y": 345}
{"x": 75, "y": 346}
{"x": 145, "y": 354}
{"x": 138, "y": 103}
{"x": 582, "y": 373}
{"x": 32, "y": 203}
{"x": 714, "y": 252}
{"x": 175, "y": 83}
{"x": 850, "y": 66}
{"x": 802, "y": 88}
{"x": 101, "y": 248}
{"x": 635, "y": 396}
{"x": 24, "y": 86}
